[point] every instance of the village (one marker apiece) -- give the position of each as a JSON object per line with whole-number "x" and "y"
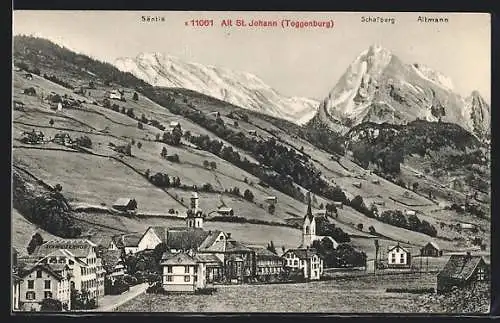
{"x": 159, "y": 243}
{"x": 77, "y": 274}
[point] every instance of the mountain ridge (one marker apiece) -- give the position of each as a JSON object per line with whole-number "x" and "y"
{"x": 240, "y": 88}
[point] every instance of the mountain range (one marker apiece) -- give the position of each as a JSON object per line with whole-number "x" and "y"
{"x": 239, "y": 88}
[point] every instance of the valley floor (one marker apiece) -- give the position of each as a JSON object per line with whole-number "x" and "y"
{"x": 344, "y": 295}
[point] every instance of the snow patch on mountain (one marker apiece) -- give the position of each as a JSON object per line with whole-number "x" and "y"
{"x": 239, "y": 88}
{"x": 433, "y": 76}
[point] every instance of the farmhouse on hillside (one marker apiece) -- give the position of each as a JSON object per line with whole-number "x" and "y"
{"x": 306, "y": 260}
{"x": 398, "y": 257}
{"x": 226, "y": 211}
{"x": 431, "y": 249}
{"x": 127, "y": 205}
{"x": 462, "y": 270}
{"x": 116, "y": 94}
{"x": 272, "y": 200}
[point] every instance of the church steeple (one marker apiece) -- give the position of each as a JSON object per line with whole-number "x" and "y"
{"x": 309, "y": 214}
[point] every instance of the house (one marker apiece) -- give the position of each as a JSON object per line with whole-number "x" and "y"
{"x": 117, "y": 95}
{"x": 226, "y": 211}
{"x": 466, "y": 226}
{"x": 431, "y": 249}
{"x": 376, "y": 181}
{"x": 43, "y": 281}
{"x": 32, "y": 137}
{"x": 267, "y": 263}
{"x": 238, "y": 261}
{"x": 462, "y": 270}
{"x": 62, "y": 139}
{"x": 18, "y": 105}
{"x": 338, "y": 205}
{"x": 81, "y": 257}
{"x": 313, "y": 227}
{"x": 357, "y": 184}
{"x": 126, "y": 205}
{"x": 272, "y": 200}
{"x": 182, "y": 273}
{"x": 174, "y": 124}
{"x": 112, "y": 264}
{"x": 305, "y": 259}
{"x": 398, "y": 257}
{"x": 214, "y": 267}
{"x": 126, "y": 243}
{"x": 28, "y": 76}
{"x": 410, "y": 212}
{"x": 252, "y": 132}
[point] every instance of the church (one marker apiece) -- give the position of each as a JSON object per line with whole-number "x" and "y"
{"x": 311, "y": 229}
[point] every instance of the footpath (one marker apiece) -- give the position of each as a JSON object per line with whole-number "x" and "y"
{"x": 109, "y": 303}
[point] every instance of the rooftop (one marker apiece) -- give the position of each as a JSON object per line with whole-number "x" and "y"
{"x": 461, "y": 266}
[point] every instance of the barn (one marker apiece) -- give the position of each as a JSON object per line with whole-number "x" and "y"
{"x": 125, "y": 205}
{"x": 461, "y": 271}
{"x": 431, "y": 249}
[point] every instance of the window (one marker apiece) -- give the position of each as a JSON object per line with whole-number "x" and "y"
{"x": 393, "y": 258}
{"x": 38, "y": 274}
{"x": 168, "y": 278}
{"x": 31, "y": 284}
{"x": 481, "y": 274}
{"x": 186, "y": 269}
{"x": 402, "y": 258}
{"x": 47, "y": 284}
{"x": 30, "y": 295}
{"x": 296, "y": 262}
{"x": 169, "y": 269}
{"x": 47, "y": 295}
{"x": 71, "y": 262}
{"x": 186, "y": 279}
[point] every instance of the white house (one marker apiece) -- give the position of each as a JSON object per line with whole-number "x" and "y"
{"x": 398, "y": 257}
{"x": 116, "y": 94}
{"x": 306, "y": 260}
{"x": 271, "y": 199}
{"x": 410, "y": 212}
{"x": 43, "y": 281}
{"x": 182, "y": 273}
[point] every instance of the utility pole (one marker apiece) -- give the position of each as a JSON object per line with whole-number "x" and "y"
{"x": 427, "y": 264}
{"x": 420, "y": 268}
{"x": 376, "y": 257}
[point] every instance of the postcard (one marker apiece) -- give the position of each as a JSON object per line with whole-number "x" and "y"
{"x": 222, "y": 162}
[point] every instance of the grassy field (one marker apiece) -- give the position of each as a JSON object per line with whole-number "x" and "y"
{"x": 359, "y": 295}
{"x": 22, "y": 231}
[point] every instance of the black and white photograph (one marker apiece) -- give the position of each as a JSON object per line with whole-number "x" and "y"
{"x": 250, "y": 162}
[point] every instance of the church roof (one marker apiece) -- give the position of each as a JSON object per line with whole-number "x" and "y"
{"x": 309, "y": 214}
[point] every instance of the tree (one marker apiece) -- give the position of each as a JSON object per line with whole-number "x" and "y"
{"x": 360, "y": 226}
{"x": 140, "y": 125}
{"x": 213, "y": 165}
{"x": 130, "y": 113}
{"x": 139, "y": 145}
{"x": 271, "y": 247}
{"x": 371, "y": 229}
{"x": 135, "y": 97}
{"x": 84, "y": 141}
{"x": 271, "y": 208}
{"x": 146, "y": 173}
{"x": 415, "y": 186}
{"x": 144, "y": 119}
{"x": 36, "y": 240}
{"x": 357, "y": 202}
{"x": 206, "y": 164}
{"x": 51, "y": 122}
{"x": 158, "y": 251}
{"x": 164, "y": 152}
{"x": 248, "y": 195}
{"x": 58, "y": 187}
{"x": 91, "y": 85}
{"x": 50, "y": 305}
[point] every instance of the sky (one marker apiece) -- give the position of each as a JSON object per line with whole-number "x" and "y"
{"x": 297, "y": 62}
